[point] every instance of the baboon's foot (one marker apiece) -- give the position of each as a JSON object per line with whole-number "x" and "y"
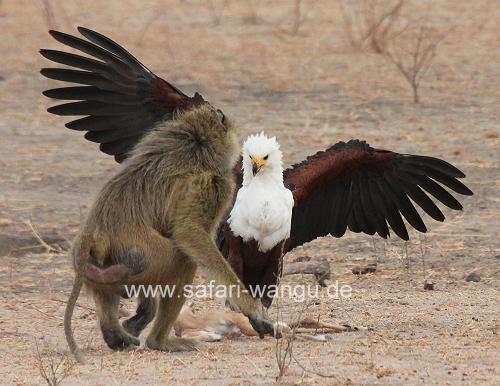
{"x": 133, "y": 325}
{"x": 118, "y": 339}
{"x": 136, "y": 324}
{"x": 174, "y": 344}
{"x": 265, "y": 327}
{"x": 144, "y": 314}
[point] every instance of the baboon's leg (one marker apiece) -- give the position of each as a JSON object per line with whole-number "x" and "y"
{"x": 168, "y": 310}
{"x": 145, "y": 313}
{"x": 107, "y": 309}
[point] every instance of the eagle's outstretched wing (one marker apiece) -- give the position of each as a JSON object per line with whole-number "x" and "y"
{"x": 351, "y": 185}
{"x": 120, "y": 98}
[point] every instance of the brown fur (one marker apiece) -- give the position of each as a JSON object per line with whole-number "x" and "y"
{"x": 158, "y": 217}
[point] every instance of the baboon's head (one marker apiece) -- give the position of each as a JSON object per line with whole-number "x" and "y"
{"x": 209, "y": 135}
{"x": 202, "y": 138}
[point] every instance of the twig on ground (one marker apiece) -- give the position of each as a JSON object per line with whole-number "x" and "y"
{"x": 48, "y": 248}
{"x": 76, "y": 305}
{"x": 319, "y": 374}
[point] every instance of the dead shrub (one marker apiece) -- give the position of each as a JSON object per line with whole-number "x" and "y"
{"x": 371, "y": 23}
{"x": 54, "y": 366}
{"x": 413, "y": 53}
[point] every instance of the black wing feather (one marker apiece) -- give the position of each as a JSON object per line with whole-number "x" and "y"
{"x": 121, "y": 146}
{"x": 337, "y": 212}
{"x": 91, "y": 93}
{"x": 404, "y": 205}
{"x": 93, "y": 108}
{"x": 90, "y": 49}
{"x": 393, "y": 215}
{"x": 438, "y": 175}
{"x": 420, "y": 198}
{"x": 367, "y": 208}
{"x": 355, "y": 203}
{"x": 434, "y": 189}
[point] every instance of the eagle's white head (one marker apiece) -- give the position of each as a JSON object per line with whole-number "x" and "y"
{"x": 262, "y": 158}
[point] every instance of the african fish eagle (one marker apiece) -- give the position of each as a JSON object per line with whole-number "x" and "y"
{"x": 348, "y": 186}
{"x": 263, "y": 208}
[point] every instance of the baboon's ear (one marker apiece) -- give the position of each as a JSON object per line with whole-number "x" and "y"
{"x": 222, "y": 118}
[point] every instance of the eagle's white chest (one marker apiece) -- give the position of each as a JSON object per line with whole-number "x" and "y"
{"x": 262, "y": 212}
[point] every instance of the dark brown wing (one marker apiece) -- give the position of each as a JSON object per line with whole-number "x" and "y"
{"x": 223, "y": 233}
{"x": 120, "y": 98}
{"x": 351, "y": 185}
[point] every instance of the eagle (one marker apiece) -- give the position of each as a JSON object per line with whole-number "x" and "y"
{"x": 262, "y": 210}
{"x": 350, "y": 185}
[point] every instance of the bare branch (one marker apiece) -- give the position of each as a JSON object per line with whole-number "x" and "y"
{"x": 413, "y": 52}
{"x": 371, "y": 21}
{"x": 300, "y": 16}
{"x": 54, "y": 367}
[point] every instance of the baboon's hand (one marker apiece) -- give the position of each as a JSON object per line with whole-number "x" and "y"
{"x": 264, "y": 327}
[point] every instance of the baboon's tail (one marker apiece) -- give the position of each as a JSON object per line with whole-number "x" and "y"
{"x": 75, "y": 292}
{"x": 80, "y": 251}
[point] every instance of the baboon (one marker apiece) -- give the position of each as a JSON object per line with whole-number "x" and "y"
{"x": 154, "y": 223}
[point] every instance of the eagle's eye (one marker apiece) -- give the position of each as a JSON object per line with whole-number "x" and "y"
{"x": 266, "y": 157}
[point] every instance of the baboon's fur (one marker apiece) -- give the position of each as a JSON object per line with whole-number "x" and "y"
{"x": 154, "y": 222}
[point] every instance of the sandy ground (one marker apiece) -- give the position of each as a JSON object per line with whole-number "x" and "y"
{"x": 311, "y": 89}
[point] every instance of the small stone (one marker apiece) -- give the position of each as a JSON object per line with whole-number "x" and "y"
{"x": 429, "y": 285}
{"x": 473, "y": 276}
{"x": 364, "y": 269}
{"x": 5, "y": 222}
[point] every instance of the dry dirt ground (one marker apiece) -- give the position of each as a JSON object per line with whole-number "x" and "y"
{"x": 311, "y": 89}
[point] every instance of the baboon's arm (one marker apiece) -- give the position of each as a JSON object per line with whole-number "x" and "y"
{"x": 197, "y": 212}
{"x": 199, "y": 246}
{"x": 194, "y": 241}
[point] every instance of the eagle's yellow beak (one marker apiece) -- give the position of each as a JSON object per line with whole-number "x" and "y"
{"x": 257, "y": 164}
